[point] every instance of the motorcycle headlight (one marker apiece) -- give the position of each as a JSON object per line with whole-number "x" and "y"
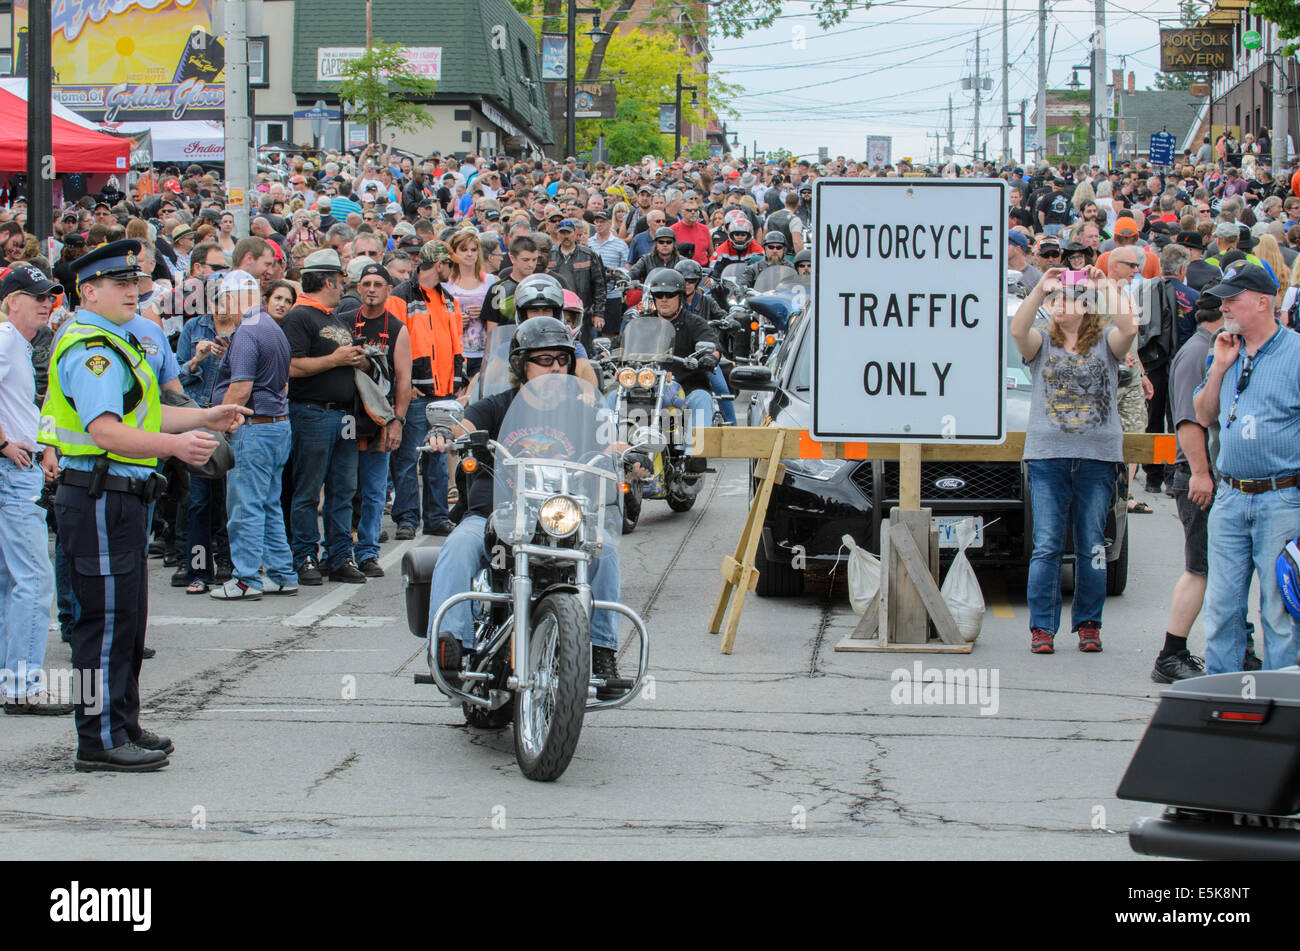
{"x": 646, "y": 377}
{"x": 560, "y": 516}
{"x": 627, "y": 377}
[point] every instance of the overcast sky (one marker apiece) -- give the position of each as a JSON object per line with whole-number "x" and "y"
{"x": 889, "y": 70}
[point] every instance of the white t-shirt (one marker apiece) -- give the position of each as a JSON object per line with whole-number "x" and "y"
{"x": 18, "y": 413}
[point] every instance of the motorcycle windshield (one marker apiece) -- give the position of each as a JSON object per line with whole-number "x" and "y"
{"x": 494, "y": 374}
{"x": 732, "y": 272}
{"x": 772, "y": 276}
{"x": 556, "y": 431}
{"x": 648, "y": 338}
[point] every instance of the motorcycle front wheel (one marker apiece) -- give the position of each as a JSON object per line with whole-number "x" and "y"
{"x": 548, "y": 716}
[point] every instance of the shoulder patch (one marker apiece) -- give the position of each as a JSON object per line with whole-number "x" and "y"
{"x": 97, "y": 364}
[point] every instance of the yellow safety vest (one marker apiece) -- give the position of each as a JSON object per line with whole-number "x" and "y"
{"x": 61, "y": 426}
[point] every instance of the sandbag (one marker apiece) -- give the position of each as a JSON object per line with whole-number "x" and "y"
{"x": 864, "y": 576}
{"x": 961, "y": 589}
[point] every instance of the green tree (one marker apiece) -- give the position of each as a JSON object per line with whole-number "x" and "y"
{"x": 1190, "y": 13}
{"x": 1286, "y": 14}
{"x": 385, "y": 91}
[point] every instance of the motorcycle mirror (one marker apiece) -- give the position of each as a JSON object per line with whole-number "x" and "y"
{"x": 444, "y": 413}
{"x": 757, "y": 377}
{"x": 602, "y": 343}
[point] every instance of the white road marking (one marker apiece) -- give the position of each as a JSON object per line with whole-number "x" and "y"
{"x": 293, "y": 650}
{"x": 328, "y": 603}
{"x": 165, "y": 620}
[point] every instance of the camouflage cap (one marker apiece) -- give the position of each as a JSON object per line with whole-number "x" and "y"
{"x": 434, "y": 252}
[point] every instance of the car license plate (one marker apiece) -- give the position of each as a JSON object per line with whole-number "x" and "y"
{"x": 946, "y": 526}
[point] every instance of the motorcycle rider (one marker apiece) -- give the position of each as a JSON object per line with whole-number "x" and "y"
{"x": 667, "y": 291}
{"x": 803, "y": 262}
{"x": 739, "y": 247}
{"x": 703, "y": 305}
{"x": 773, "y": 256}
{"x": 663, "y": 254}
{"x": 540, "y": 345}
{"x": 544, "y": 296}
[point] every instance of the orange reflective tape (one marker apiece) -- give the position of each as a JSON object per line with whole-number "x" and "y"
{"x": 1164, "y": 448}
{"x": 855, "y": 450}
{"x": 809, "y": 448}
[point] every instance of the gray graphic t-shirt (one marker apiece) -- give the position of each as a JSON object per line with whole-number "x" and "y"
{"x": 1073, "y": 412}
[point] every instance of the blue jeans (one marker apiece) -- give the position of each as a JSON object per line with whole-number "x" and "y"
{"x": 718, "y": 384}
{"x": 463, "y": 556}
{"x": 1065, "y": 494}
{"x": 1246, "y": 534}
{"x": 254, "y": 518}
{"x": 207, "y": 498}
{"x": 408, "y": 481}
{"x": 373, "y": 475}
{"x": 324, "y": 453}
{"x": 26, "y": 580}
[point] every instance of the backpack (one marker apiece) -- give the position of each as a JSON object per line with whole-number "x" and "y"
{"x": 1158, "y": 323}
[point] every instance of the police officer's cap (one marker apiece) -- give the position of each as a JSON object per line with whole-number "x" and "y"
{"x": 119, "y": 260}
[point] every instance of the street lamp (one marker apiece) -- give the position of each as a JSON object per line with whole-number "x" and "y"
{"x": 570, "y": 80}
{"x": 677, "y": 129}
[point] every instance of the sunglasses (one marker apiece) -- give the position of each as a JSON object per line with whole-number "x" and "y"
{"x": 775, "y": 247}
{"x": 665, "y": 241}
{"x": 41, "y": 298}
{"x": 1049, "y": 253}
{"x": 555, "y": 221}
{"x": 550, "y": 359}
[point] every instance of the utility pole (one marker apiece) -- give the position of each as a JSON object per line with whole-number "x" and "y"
{"x": 40, "y": 136}
{"x": 1040, "y": 141}
{"x": 1100, "y": 137}
{"x": 1006, "y": 102}
{"x": 373, "y": 132}
{"x": 1281, "y": 97}
{"x": 951, "y": 154}
{"x": 975, "y": 145}
{"x": 677, "y": 124}
{"x": 237, "y": 131}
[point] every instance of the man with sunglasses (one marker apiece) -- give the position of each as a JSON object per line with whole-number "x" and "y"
{"x": 1252, "y": 391}
{"x": 1018, "y": 258}
{"x": 774, "y": 255}
{"x": 663, "y": 253}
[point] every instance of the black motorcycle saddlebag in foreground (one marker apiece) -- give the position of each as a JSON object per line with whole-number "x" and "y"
{"x": 1227, "y": 742}
{"x": 417, "y": 578}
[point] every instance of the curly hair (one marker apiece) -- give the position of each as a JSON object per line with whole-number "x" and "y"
{"x": 1090, "y": 328}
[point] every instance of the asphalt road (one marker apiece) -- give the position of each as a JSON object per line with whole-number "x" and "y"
{"x": 300, "y": 733}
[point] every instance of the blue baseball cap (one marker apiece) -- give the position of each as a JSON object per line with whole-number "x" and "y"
{"x": 1018, "y": 239}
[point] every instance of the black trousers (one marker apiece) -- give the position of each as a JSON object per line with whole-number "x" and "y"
{"x": 106, "y": 540}
{"x": 1160, "y": 417}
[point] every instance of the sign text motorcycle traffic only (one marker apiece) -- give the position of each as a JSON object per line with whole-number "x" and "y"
{"x": 909, "y": 334}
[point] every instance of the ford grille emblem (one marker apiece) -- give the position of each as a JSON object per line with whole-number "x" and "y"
{"x": 950, "y": 484}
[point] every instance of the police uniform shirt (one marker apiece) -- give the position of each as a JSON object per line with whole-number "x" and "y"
{"x": 157, "y": 351}
{"x": 95, "y": 378}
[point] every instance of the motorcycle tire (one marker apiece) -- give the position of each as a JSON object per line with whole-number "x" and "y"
{"x": 632, "y": 507}
{"x": 560, "y": 646}
{"x": 681, "y": 503}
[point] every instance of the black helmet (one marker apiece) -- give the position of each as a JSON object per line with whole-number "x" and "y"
{"x": 774, "y": 237}
{"x": 663, "y": 234}
{"x": 540, "y": 333}
{"x": 689, "y": 269}
{"x": 803, "y": 257}
{"x": 665, "y": 280}
{"x": 539, "y": 290}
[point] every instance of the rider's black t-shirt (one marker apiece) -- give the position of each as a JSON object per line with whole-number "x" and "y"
{"x": 545, "y": 441}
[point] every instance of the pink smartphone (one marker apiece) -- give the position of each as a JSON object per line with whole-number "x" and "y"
{"x": 1074, "y": 277}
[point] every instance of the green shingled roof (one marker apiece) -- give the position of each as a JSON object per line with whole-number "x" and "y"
{"x": 465, "y": 29}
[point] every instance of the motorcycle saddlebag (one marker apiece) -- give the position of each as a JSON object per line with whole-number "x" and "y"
{"x": 1227, "y": 742}
{"x": 417, "y": 577}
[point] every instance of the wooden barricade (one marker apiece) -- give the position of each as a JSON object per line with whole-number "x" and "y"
{"x": 910, "y": 605}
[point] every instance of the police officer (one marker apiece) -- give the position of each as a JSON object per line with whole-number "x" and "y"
{"x": 103, "y": 413}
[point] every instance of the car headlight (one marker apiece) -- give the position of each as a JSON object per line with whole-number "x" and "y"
{"x": 560, "y": 516}
{"x": 646, "y": 377}
{"x": 823, "y": 470}
{"x": 627, "y": 377}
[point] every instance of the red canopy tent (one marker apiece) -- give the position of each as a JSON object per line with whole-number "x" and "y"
{"x": 75, "y": 149}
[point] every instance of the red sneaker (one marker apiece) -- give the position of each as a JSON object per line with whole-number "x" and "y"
{"x": 1040, "y": 642}
{"x": 1090, "y": 637}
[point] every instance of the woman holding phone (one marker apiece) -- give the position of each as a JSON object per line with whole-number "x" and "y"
{"x": 1074, "y": 441}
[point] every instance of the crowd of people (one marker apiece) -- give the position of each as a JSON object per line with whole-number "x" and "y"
{"x": 369, "y": 286}
{"x": 1151, "y": 296}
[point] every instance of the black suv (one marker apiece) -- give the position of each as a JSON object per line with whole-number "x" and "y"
{"x": 820, "y": 501}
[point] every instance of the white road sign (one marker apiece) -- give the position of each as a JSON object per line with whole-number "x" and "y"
{"x": 909, "y": 334}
